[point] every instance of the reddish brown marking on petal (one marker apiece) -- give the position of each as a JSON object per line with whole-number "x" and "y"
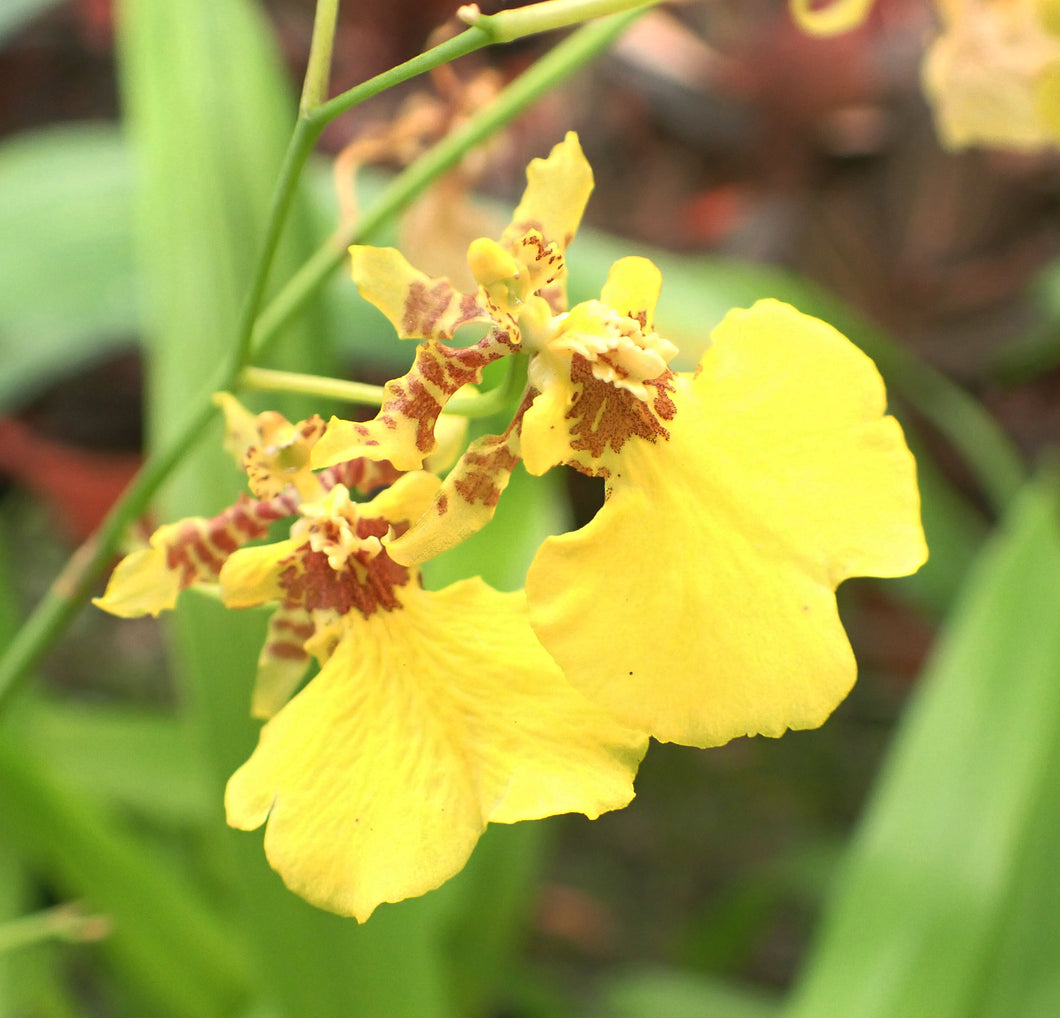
{"x": 363, "y": 475}
{"x": 201, "y": 547}
{"x": 436, "y": 373}
{"x": 287, "y": 651}
{"x": 207, "y": 561}
{"x": 303, "y": 630}
{"x": 311, "y": 427}
{"x": 469, "y": 307}
{"x": 421, "y": 308}
{"x": 422, "y": 406}
{"x": 479, "y": 470}
{"x": 373, "y": 527}
{"x": 433, "y": 370}
{"x": 225, "y": 543}
{"x": 426, "y": 306}
{"x": 365, "y": 583}
{"x": 242, "y": 522}
{"x": 663, "y": 404}
{"x": 465, "y": 366}
{"x": 605, "y": 416}
{"x": 441, "y": 504}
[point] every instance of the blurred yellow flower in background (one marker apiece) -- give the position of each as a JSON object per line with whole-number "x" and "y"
{"x": 992, "y": 75}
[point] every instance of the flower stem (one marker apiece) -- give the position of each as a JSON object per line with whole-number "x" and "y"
{"x": 477, "y": 404}
{"x": 318, "y": 66}
{"x": 268, "y": 380}
{"x": 506, "y": 26}
{"x": 72, "y": 586}
{"x": 574, "y": 52}
{"x": 62, "y": 922}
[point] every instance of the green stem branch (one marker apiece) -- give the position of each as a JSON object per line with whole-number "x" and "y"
{"x": 478, "y": 404}
{"x": 318, "y": 66}
{"x": 574, "y": 52}
{"x": 506, "y": 26}
{"x": 63, "y": 922}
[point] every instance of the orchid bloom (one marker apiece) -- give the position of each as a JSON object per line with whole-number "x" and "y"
{"x": 433, "y": 713}
{"x": 696, "y": 606}
{"x": 699, "y": 604}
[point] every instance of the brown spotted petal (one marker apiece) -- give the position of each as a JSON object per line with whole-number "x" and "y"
{"x": 283, "y": 660}
{"x": 403, "y": 430}
{"x": 191, "y": 551}
{"x": 334, "y": 561}
{"x": 273, "y": 452}
{"x": 557, "y": 191}
{"x": 417, "y": 305}
{"x": 465, "y": 503}
{"x": 582, "y": 421}
{"x": 361, "y": 474}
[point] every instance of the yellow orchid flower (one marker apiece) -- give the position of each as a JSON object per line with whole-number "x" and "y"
{"x": 699, "y": 604}
{"x": 275, "y": 455}
{"x": 434, "y": 712}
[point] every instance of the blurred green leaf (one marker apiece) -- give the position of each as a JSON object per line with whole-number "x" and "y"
{"x": 143, "y": 762}
{"x": 948, "y": 898}
{"x": 15, "y": 14}
{"x": 1035, "y": 350}
{"x": 655, "y": 993}
{"x": 13, "y": 901}
{"x": 955, "y": 532}
{"x": 69, "y": 292}
{"x": 166, "y": 942}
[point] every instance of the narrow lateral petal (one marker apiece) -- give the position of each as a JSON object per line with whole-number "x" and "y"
{"x": 699, "y": 603}
{"x": 403, "y": 430}
{"x": 192, "y": 550}
{"x": 141, "y": 584}
{"x": 464, "y": 504}
{"x": 417, "y": 305}
{"x": 557, "y": 191}
{"x": 283, "y": 660}
{"x": 378, "y": 778}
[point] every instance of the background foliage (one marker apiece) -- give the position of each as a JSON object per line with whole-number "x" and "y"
{"x": 767, "y": 878}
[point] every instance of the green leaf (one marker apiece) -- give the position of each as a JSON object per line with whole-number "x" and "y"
{"x": 947, "y": 901}
{"x": 14, "y": 14}
{"x": 69, "y": 292}
{"x": 173, "y": 949}
{"x": 654, "y": 993}
{"x": 93, "y": 746}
